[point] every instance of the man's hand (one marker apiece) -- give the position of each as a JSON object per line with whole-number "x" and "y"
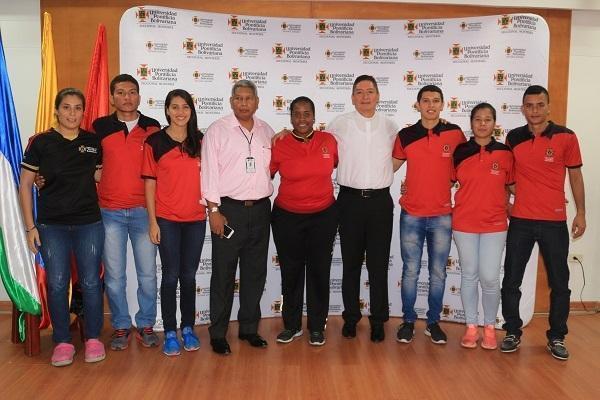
{"x": 217, "y": 221}
{"x": 578, "y": 227}
{"x": 154, "y": 232}
{"x": 39, "y": 181}
{"x": 280, "y": 135}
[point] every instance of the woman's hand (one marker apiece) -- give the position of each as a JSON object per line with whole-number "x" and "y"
{"x": 33, "y": 240}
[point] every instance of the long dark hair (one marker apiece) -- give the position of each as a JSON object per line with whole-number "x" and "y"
{"x": 191, "y": 144}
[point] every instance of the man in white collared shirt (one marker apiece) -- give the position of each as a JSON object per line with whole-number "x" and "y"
{"x": 365, "y": 173}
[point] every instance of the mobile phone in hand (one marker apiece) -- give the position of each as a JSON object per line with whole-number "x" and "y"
{"x": 227, "y": 231}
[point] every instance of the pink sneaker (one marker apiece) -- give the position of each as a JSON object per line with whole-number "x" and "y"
{"x": 63, "y": 354}
{"x": 489, "y": 338}
{"x": 469, "y": 339}
{"x": 94, "y": 351}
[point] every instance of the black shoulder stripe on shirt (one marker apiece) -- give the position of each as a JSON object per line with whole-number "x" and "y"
{"x": 105, "y": 126}
{"x": 411, "y": 134}
{"x": 522, "y": 133}
{"x": 146, "y": 122}
{"x": 471, "y": 148}
{"x": 416, "y": 132}
{"x": 161, "y": 144}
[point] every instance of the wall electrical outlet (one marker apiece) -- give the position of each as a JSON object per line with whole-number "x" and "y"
{"x": 575, "y": 257}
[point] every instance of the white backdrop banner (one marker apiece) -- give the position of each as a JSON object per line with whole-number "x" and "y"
{"x": 476, "y": 59}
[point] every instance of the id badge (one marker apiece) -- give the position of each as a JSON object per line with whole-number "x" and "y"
{"x": 250, "y": 165}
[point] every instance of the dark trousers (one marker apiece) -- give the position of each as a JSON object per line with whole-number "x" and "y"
{"x": 304, "y": 246}
{"x": 180, "y": 249}
{"x": 553, "y": 240}
{"x": 365, "y": 226}
{"x": 249, "y": 245}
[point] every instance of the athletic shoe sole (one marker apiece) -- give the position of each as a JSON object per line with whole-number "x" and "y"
{"x": 294, "y": 336}
{"x": 427, "y": 333}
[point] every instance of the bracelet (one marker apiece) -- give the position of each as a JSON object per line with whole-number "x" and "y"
{"x": 30, "y": 229}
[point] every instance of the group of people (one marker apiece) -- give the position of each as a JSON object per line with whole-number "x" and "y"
{"x": 157, "y": 186}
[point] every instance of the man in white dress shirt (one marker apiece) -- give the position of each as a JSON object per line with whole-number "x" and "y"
{"x": 365, "y": 173}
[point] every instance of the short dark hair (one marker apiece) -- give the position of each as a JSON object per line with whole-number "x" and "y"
{"x": 483, "y": 106}
{"x": 365, "y": 78}
{"x": 429, "y": 88}
{"x": 302, "y": 99}
{"x": 68, "y": 92}
{"x": 536, "y": 89}
{"x": 123, "y": 78}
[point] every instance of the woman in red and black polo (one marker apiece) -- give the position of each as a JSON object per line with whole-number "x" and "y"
{"x": 177, "y": 220}
{"x": 484, "y": 168}
{"x": 304, "y": 221}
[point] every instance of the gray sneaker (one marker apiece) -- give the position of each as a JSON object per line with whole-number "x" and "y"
{"x": 147, "y": 337}
{"x": 558, "y": 349}
{"x": 287, "y": 335}
{"x": 120, "y": 339}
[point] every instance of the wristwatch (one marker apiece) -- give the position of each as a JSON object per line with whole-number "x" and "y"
{"x": 213, "y": 209}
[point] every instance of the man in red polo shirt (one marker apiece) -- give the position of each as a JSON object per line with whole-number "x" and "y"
{"x": 427, "y": 147}
{"x": 543, "y": 152}
{"x": 121, "y": 198}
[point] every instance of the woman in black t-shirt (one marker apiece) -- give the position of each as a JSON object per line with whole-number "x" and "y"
{"x": 68, "y": 221}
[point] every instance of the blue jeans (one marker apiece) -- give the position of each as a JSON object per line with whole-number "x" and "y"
{"x": 480, "y": 255}
{"x": 118, "y": 224}
{"x": 86, "y": 242}
{"x": 180, "y": 249}
{"x": 413, "y": 233}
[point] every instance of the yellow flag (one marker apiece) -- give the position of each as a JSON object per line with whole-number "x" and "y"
{"x": 45, "y": 109}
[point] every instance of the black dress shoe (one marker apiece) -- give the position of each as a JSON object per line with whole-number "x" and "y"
{"x": 254, "y": 339}
{"x": 377, "y": 333}
{"x": 220, "y": 346}
{"x": 349, "y": 330}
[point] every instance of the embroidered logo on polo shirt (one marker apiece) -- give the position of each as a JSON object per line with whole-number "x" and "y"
{"x": 446, "y": 150}
{"x": 495, "y": 168}
{"x": 88, "y": 149}
{"x": 549, "y": 155}
{"x": 325, "y": 152}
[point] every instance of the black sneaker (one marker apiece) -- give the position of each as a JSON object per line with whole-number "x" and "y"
{"x": 287, "y": 335}
{"x": 510, "y": 343}
{"x": 436, "y": 333}
{"x": 349, "y": 330}
{"x": 317, "y": 339}
{"x": 405, "y": 333}
{"x": 558, "y": 349}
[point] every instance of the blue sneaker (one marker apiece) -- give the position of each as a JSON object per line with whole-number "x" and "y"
{"x": 190, "y": 340}
{"x": 172, "y": 347}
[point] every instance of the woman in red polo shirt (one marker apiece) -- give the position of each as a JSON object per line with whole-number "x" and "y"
{"x": 304, "y": 221}
{"x": 177, "y": 220}
{"x": 483, "y": 167}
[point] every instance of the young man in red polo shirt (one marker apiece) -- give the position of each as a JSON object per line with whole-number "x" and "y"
{"x": 543, "y": 152}
{"x": 427, "y": 146}
{"x": 121, "y": 198}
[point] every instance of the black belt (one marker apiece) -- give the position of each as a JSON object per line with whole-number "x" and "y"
{"x": 365, "y": 193}
{"x": 245, "y": 203}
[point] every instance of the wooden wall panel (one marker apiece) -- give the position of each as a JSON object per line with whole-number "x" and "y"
{"x": 75, "y": 23}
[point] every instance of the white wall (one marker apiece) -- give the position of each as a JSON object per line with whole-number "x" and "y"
{"x": 21, "y": 38}
{"x": 582, "y": 111}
